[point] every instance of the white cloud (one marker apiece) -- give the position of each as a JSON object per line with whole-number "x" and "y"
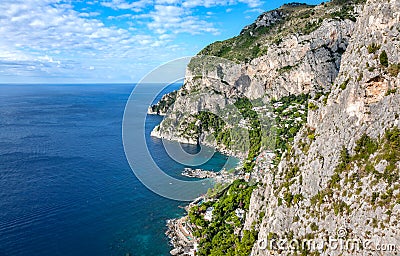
{"x": 212, "y": 3}
{"x": 136, "y": 6}
{"x": 120, "y": 17}
{"x": 167, "y": 1}
{"x": 89, "y": 14}
{"x": 50, "y": 38}
{"x": 175, "y": 16}
{"x": 176, "y": 19}
{"x": 42, "y": 37}
{"x": 254, "y": 10}
{"x": 252, "y": 3}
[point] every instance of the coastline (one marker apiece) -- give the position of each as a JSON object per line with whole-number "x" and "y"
{"x": 156, "y": 134}
{"x": 180, "y": 237}
{"x": 180, "y": 230}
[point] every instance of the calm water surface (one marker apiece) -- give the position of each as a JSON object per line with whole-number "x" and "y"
{"x": 65, "y": 185}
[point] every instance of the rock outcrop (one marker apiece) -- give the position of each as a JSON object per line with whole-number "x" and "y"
{"x": 162, "y": 106}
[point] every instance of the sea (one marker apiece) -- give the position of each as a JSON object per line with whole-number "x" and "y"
{"x": 66, "y": 187}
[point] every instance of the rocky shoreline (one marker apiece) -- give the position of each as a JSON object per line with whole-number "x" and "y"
{"x": 198, "y": 173}
{"x": 156, "y": 133}
{"x": 181, "y": 238}
{"x": 180, "y": 230}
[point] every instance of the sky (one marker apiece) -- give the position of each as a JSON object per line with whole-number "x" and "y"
{"x": 112, "y": 41}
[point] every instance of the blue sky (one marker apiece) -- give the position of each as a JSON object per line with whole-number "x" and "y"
{"x": 111, "y": 41}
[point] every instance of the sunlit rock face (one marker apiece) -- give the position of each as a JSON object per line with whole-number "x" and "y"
{"x": 298, "y": 64}
{"x": 359, "y": 196}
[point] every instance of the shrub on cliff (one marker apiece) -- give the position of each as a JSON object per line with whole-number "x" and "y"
{"x": 394, "y": 69}
{"x": 372, "y": 48}
{"x": 383, "y": 58}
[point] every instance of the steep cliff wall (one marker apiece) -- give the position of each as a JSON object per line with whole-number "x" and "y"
{"x": 342, "y": 173}
{"x": 298, "y": 50}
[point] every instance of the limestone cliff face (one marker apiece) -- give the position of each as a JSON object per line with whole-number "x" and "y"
{"x": 316, "y": 190}
{"x": 298, "y": 63}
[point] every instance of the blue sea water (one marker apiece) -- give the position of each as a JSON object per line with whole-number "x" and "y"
{"x": 66, "y": 187}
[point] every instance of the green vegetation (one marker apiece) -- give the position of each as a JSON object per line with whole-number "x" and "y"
{"x": 212, "y": 122}
{"x": 312, "y": 106}
{"x": 340, "y": 207}
{"x": 217, "y": 237}
{"x": 374, "y": 196}
{"x": 391, "y": 91}
{"x": 217, "y": 190}
{"x": 244, "y": 47}
{"x": 254, "y": 40}
{"x": 225, "y": 135}
{"x": 367, "y": 153}
{"x": 343, "y": 85}
{"x": 209, "y": 122}
{"x": 297, "y": 198}
{"x": 373, "y": 48}
{"x": 344, "y": 160}
{"x": 311, "y": 26}
{"x": 360, "y": 77}
{"x": 311, "y": 136}
{"x": 285, "y": 69}
{"x": 391, "y": 153}
{"x": 394, "y": 69}
{"x": 165, "y": 103}
{"x": 365, "y": 147}
{"x": 334, "y": 181}
{"x": 383, "y": 58}
{"x": 289, "y": 178}
{"x": 345, "y": 12}
{"x": 346, "y": 2}
{"x": 244, "y": 132}
{"x": 291, "y": 114}
{"x": 314, "y": 226}
{"x": 246, "y": 110}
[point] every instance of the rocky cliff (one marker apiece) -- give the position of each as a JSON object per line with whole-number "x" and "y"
{"x": 293, "y": 50}
{"x": 162, "y": 106}
{"x": 341, "y": 177}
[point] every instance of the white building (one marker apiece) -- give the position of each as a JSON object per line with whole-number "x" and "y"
{"x": 239, "y": 213}
{"x": 209, "y": 214}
